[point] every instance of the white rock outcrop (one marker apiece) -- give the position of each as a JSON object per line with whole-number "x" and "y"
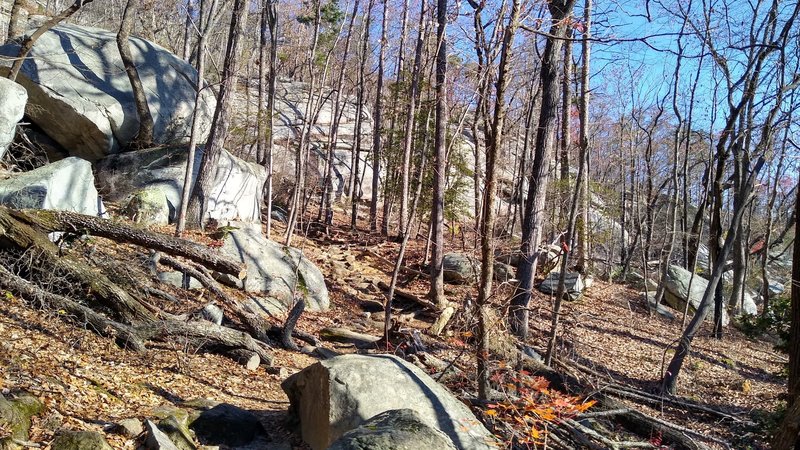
{"x": 80, "y": 96}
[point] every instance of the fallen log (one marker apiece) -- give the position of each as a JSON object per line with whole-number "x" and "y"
{"x": 51, "y": 221}
{"x": 204, "y": 334}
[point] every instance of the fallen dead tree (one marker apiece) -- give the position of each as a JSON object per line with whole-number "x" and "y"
{"x": 610, "y": 406}
{"x": 67, "y": 283}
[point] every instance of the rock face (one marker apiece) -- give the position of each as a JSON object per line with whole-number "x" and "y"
{"x": 573, "y": 285}
{"x": 13, "y": 99}
{"x": 275, "y": 270}
{"x": 291, "y": 99}
{"x": 79, "y": 95}
{"x": 394, "y": 430}
{"x": 237, "y": 184}
{"x": 66, "y": 185}
{"x": 677, "y": 291}
{"x": 337, "y": 395}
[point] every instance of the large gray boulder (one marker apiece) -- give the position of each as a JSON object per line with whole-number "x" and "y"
{"x": 398, "y": 429}
{"x": 460, "y": 269}
{"x": 463, "y": 269}
{"x": 66, "y": 185}
{"x": 236, "y": 193}
{"x": 676, "y": 291}
{"x": 80, "y": 96}
{"x": 280, "y": 272}
{"x": 13, "y": 99}
{"x": 339, "y": 394}
{"x": 573, "y": 285}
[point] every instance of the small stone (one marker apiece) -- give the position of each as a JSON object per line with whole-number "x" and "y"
{"x": 129, "y": 428}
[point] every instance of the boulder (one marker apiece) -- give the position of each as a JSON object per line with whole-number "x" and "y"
{"x": 339, "y": 394}
{"x": 80, "y": 440}
{"x": 177, "y": 432}
{"x": 276, "y": 270}
{"x": 16, "y": 413}
{"x": 397, "y": 429}
{"x": 13, "y": 99}
{"x": 177, "y": 280}
{"x": 130, "y": 428}
{"x": 677, "y": 292}
{"x": 157, "y": 439}
{"x": 66, "y": 185}
{"x": 78, "y": 93}
{"x": 460, "y": 269}
{"x": 227, "y": 425}
{"x": 236, "y": 194}
{"x": 291, "y": 100}
{"x": 573, "y": 285}
{"x": 148, "y": 206}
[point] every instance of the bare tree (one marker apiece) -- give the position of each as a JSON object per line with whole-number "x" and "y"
{"x": 377, "y": 127}
{"x": 494, "y": 140}
{"x": 198, "y": 203}
{"x": 408, "y": 134}
{"x": 440, "y": 160}
{"x": 207, "y": 12}
{"x": 560, "y": 10}
{"x": 144, "y": 137}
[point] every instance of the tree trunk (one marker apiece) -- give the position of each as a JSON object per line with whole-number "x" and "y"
{"x": 786, "y": 437}
{"x": 198, "y": 203}
{"x": 583, "y": 223}
{"x": 537, "y": 188}
{"x": 16, "y": 26}
{"x": 190, "y": 157}
{"x": 143, "y": 137}
{"x": 52, "y": 221}
{"x": 494, "y": 141}
{"x": 377, "y": 128}
{"x": 355, "y": 183}
{"x": 327, "y": 185}
{"x": 408, "y": 135}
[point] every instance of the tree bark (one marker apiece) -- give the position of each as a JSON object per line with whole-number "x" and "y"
{"x": 440, "y": 160}
{"x": 537, "y": 188}
{"x": 51, "y": 221}
{"x": 143, "y": 137}
{"x": 198, "y": 204}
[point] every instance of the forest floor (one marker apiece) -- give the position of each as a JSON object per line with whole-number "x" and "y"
{"x": 86, "y": 382}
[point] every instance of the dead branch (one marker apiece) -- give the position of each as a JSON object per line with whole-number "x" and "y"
{"x": 51, "y": 221}
{"x": 71, "y": 310}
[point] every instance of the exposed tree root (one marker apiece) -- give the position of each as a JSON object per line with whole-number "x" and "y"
{"x": 110, "y": 310}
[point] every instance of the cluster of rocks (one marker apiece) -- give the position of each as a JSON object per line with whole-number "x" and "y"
{"x": 73, "y": 89}
{"x": 198, "y": 423}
